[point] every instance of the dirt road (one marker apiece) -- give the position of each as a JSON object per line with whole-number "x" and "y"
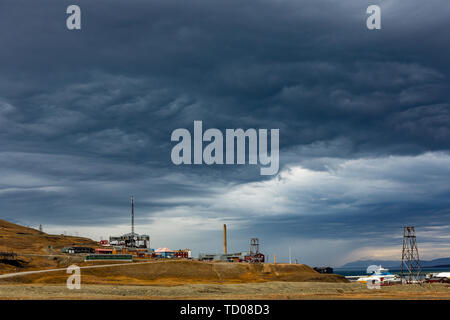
{"x": 23, "y": 273}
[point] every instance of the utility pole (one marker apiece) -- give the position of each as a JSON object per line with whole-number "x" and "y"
{"x": 290, "y": 258}
{"x": 411, "y": 269}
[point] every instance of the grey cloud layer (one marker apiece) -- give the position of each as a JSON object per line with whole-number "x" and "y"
{"x": 86, "y": 117}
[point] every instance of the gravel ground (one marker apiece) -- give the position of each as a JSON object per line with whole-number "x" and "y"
{"x": 268, "y": 290}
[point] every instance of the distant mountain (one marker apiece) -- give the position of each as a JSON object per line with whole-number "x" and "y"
{"x": 391, "y": 264}
{"x": 362, "y": 264}
{"x": 443, "y": 262}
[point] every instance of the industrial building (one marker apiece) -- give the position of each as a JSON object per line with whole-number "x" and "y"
{"x": 132, "y": 239}
{"x": 138, "y": 246}
{"x": 109, "y": 257}
{"x": 73, "y": 250}
{"x": 255, "y": 256}
{"x": 252, "y": 256}
{"x": 164, "y": 253}
{"x": 135, "y": 245}
{"x": 122, "y": 248}
{"x": 229, "y": 257}
{"x": 169, "y": 254}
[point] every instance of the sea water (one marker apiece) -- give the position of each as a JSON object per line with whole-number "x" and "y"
{"x": 361, "y": 272}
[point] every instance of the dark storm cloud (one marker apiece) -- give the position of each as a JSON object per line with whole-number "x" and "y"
{"x": 137, "y": 71}
{"x": 86, "y": 116}
{"x": 268, "y": 61}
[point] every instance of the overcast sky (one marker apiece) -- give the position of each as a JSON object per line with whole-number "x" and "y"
{"x": 364, "y": 118}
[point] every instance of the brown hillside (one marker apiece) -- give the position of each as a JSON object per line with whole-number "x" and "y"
{"x": 35, "y": 249}
{"x": 177, "y": 272}
{"x": 31, "y": 241}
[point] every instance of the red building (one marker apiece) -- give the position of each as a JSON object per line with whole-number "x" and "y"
{"x": 256, "y": 258}
{"x": 104, "y": 251}
{"x": 183, "y": 254}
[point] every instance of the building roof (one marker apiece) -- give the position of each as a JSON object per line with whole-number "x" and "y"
{"x": 163, "y": 250}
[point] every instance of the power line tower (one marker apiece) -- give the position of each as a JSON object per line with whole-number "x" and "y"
{"x": 410, "y": 256}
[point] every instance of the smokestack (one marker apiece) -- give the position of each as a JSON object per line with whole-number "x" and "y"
{"x": 224, "y": 239}
{"x": 132, "y": 214}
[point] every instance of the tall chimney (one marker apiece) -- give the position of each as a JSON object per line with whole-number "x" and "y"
{"x": 224, "y": 239}
{"x": 132, "y": 214}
